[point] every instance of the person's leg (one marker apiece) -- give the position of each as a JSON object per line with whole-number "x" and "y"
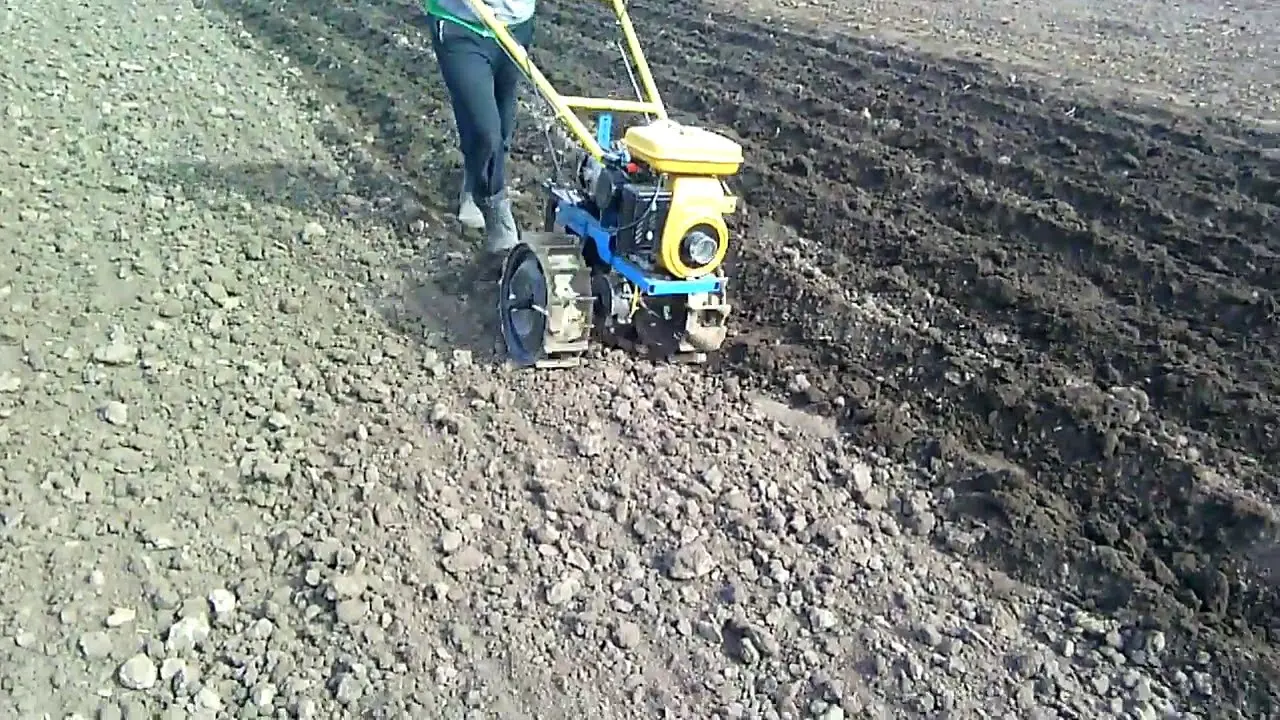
{"x": 506, "y": 90}
{"x": 467, "y": 70}
{"x": 468, "y": 212}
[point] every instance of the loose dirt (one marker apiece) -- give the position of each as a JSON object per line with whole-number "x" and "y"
{"x": 1093, "y": 300}
{"x": 994, "y": 437}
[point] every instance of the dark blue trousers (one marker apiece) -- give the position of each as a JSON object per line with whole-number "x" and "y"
{"x": 483, "y": 84}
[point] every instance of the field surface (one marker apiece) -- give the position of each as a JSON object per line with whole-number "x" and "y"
{"x": 996, "y": 435}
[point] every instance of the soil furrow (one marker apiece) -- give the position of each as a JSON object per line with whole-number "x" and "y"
{"x": 1246, "y": 317}
{"x": 1121, "y": 289}
{"x": 260, "y": 456}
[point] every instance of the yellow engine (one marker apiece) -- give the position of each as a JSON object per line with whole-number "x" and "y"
{"x": 694, "y": 238}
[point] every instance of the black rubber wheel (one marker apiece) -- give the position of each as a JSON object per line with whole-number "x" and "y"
{"x": 522, "y": 303}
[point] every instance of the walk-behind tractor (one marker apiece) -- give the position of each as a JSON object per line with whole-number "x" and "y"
{"x": 634, "y": 243}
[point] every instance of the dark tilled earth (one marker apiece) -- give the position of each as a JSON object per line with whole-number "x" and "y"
{"x": 1044, "y": 325}
{"x": 1094, "y": 248}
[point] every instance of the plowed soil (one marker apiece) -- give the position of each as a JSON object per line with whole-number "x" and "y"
{"x": 1092, "y": 248}
{"x": 995, "y": 436}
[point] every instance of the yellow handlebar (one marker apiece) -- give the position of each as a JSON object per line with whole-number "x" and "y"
{"x": 564, "y": 106}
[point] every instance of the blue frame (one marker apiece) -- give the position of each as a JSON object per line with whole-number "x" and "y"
{"x": 604, "y": 131}
{"x": 584, "y": 225}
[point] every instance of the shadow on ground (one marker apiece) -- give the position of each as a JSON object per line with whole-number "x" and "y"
{"x": 417, "y": 273}
{"x": 398, "y": 169}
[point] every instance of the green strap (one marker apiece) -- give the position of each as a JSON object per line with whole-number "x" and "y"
{"x": 433, "y": 9}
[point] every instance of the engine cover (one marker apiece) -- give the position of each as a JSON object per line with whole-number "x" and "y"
{"x": 642, "y": 214}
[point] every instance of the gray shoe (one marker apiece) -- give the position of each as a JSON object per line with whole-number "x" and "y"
{"x": 468, "y": 212}
{"x": 500, "y": 231}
